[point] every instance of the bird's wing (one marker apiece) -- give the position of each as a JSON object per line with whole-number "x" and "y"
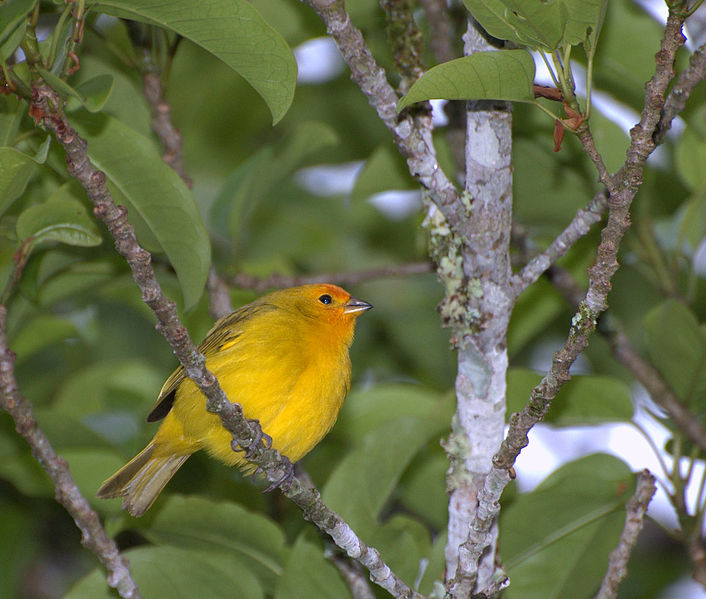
{"x": 225, "y": 332}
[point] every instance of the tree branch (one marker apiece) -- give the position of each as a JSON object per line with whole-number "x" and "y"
{"x": 354, "y": 576}
{"x": 45, "y": 108}
{"x": 577, "y": 228}
{"x": 688, "y": 79}
{"x": 636, "y": 509}
{"x": 261, "y": 284}
{"x": 412, "y": 136}
{"x": 93, "y": 536}
{"x": 622, "y": 189}
{"x": 219, "y": 295}
{"x": 164, "y": 128}
{"x": 440, "y": 29}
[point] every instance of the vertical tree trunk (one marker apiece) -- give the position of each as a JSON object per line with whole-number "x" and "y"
{"x": 482, "y": 338}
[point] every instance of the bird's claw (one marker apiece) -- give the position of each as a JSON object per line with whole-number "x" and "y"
{"x": 250, "y": 450}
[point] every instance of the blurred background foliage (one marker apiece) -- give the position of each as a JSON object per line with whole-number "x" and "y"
{"x": 92, "y": 363}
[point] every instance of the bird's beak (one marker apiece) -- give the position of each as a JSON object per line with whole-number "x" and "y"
{"x": 355, "y": 305}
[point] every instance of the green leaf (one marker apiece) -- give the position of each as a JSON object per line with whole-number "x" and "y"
{"x": 39, "y": 333}
{"x": 12, "y": 109}
{"x": 308, "y": 573}
{"x": 536, "y": 309}
{"x": 133, "y": 165}
{"x": 594, "y": 18}
{"x": 498, "y": 75}
{"x": 690, "y": 159}
{"x": 584, "y": 20}
{"x": 365, "y": 410}
{"x": 677, "y": 347}
{"x": 377, "y": 465}
{"x": 90, "y": 466}
{"x": 231, "y": 30}
{"x": 423, "y": 488}
{"x": 16, "y": 169}
{"x": 552, "y": 188}
{"x": 93, "y": 93}
{"x": 541, "y": 24}
{"x": 531, "y": 23}
{"x": 585, "y": 400}
{"x": 692, "y": 218}
{"x": 241, "y": 191}
{"x": 568, "y": 524}
{"x": 16, "y": 523}
{"x": 624, "y": 59}
{"x": 12, "y": 15}
{"x": 78, "y": 278}
{"x": 61, "y": 218}
{"x": 178, "y": 574}
{"x": 10, "y": 45}
{"x": 224, "y": 527}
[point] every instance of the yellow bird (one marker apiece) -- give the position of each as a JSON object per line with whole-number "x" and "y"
{"x": 283, "y": 358}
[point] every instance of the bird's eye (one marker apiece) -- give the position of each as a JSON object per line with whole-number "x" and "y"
{"x": 325, "y": 298}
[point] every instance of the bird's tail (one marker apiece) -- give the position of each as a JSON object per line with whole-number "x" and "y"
{"x": 142, "y": 479}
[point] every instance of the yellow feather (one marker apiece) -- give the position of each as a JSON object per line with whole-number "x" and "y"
{"x": 283, "y": 358}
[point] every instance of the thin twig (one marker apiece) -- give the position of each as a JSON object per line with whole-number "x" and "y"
{"x": 261, "y": 284}
{"x": 46, "y": 108}
{"x": 636, "y": 509}
{"x": 93, "y": 536}
{"x": 577, "y": 228}
{"x": 440, "y": 29}
{"x": 164, "y": 128}
{"x": 354, "y": 577}
{"x": 688, "y": 79}
{"x": 217, "y": 289}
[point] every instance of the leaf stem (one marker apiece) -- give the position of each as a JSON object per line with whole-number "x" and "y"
{"x": 589, "y": 86}
{"x": 549, "y": 68}
{"x": 546, "y": 110}
{"x": 694, "y": 8}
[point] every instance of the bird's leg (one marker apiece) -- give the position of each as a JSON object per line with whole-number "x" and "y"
{"x": 261, "y": 436}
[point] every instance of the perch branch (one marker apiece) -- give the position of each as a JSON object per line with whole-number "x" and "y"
{"x": 93, "y": 536}
{"x": 636, "y": 509}
{"x": 45, "y": 108}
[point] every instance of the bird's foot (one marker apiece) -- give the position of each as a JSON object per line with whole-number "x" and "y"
{"x": 261, "y": 436}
